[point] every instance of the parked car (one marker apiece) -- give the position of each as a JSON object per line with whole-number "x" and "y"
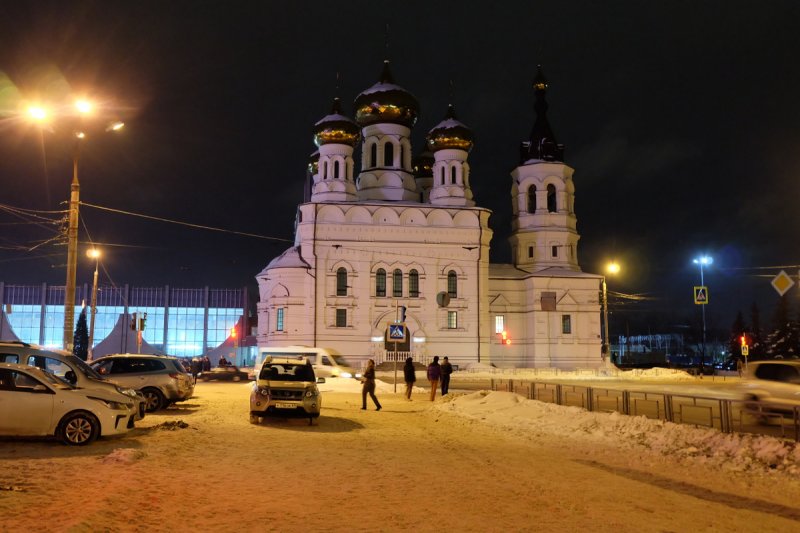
{"x": 161, "y": 379}
{"x": 35, "y": 403}
{"x": 776, "y": 383}
{"x": 286, "y": 387}
{"x": 223, "y": 373}
{"x": 68, "y": 367}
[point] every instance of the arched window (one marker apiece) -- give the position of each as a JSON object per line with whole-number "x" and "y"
{"x": 336, "y": 170}
{"x": 388, "y": 154}
{"x": 441, "y": 175}
{"x": 397, "y": 283}
{"x": 324, "y": 169}
{"x": 452, "y": 284}
{"x": 452, "y": 175}
{"x": 402, "y": 156}
{"x": 341, "y": 282}
{"x": 413, "y": 284}
{"x": 551, "y": 199}
{"x": 373, "y": 155}
{"x": 380, "y": 282}
{"x": 532, "y": 199}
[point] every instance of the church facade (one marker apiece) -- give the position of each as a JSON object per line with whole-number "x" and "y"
{"x": 404, "y": 239}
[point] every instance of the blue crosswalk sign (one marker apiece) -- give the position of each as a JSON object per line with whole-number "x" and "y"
{"x": 397, "y": 332}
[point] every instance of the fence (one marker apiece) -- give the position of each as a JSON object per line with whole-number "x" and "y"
{"x": 726, "y": 415}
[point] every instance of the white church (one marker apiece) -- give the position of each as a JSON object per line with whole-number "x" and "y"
{"x": 407, "y": 233}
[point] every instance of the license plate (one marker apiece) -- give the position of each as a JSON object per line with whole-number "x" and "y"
{"x": 284, "y": 405}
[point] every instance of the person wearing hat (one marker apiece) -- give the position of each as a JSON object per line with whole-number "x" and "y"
{"x": 434, "y": 374}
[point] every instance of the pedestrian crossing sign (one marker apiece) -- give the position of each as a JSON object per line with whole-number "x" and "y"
{"x": 701, "y": 295}
{"x": 396, "y": 332}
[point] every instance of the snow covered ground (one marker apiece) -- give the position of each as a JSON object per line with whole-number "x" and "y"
{"x": 476, "y": 461}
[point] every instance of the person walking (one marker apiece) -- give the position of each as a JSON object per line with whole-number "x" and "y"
{"x": 447, "y": 369}
{"x": 410, "y": 375}
{"x": 434, "y": 374}
{"x": 369, "y": 386}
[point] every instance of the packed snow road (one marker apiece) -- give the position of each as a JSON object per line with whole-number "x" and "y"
{"x": 454, "y": 464}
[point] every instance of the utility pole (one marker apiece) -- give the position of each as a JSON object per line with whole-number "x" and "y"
{"x": 72, "y": 250}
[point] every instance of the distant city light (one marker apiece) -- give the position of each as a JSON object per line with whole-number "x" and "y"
{"x": 703, "y": 260}
{"x": 83, "y": 106}
{"x": 38, "y": 113}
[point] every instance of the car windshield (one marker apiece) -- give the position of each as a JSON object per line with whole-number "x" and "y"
{"x": 51, "y": 379}
{"x": 287, "y": 372}
{"x": 341, "y": 361}
{"x": 84, "y": 368}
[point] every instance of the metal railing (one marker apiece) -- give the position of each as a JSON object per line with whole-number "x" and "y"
{"x": 726, "y": 415}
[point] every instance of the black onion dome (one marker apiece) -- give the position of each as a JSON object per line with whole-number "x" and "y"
{"x": 386, "y": 102}
{"x": 336, "y": 128}
{"x": 450, "y": 134}
{"x": 423, "y": 165}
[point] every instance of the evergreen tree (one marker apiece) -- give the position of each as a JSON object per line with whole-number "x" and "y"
{"x": 735, "y": 340}
{"x": 80, "y": 342}
{"x": 756, "y": 337}
{"x": 782, "y": 341}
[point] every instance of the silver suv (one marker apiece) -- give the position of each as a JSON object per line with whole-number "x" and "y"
{"x": 161, "y": 379}
{"x": 286, "y": 387}
{"x": 773, "y": 382}
{"x": 66, "y": 366}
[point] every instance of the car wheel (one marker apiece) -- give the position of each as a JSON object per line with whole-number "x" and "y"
{"x": 78, "y": 429}
{"x": 237, "y": 378}
{"x": 255, "y": 419}
{"x": 154, "y": 400}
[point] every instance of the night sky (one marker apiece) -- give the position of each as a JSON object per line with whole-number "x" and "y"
{"x": 680, "y": 119}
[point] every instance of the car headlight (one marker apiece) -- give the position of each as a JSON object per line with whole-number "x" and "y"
{"x": 346, "y": 375}
{"x": 116, "y": 406}
{"x": 126, "y": 392}
{"x": 263, "y": 392}
{"x": 358, "y": 376}
{"x": 310, "y": 393}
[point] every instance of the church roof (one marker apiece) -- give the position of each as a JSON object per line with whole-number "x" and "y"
{"x": 291, "y": 258}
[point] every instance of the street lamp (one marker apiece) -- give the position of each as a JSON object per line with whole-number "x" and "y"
{"x": 611, "y": 268}
{"x": 93, "y": 253}
{"x": 703, "y": 261}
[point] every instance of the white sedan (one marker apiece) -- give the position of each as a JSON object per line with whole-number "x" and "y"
{"x": 34, "y": 403}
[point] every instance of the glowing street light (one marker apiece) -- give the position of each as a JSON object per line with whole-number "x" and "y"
{"x": 611, "y": 268}
{"x": 37, "y": 113}
{"x": 703, "y": 260}
{"x": 93, "y": 253}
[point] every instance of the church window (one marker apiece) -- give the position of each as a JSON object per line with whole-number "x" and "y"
{"x": 336, "y": 170}
{"x": 441, "y": 174}
{"x": 402, "y": 156}
{"x": 324, "y": 170}
{"x": 551, "y": 199}
{"x": 452, "y": 284}
{"x": 532, "y": 199}
{"x": 380, "y": 282}
{"x": 530, "y": 252}
{"x": 388, "y": 154}
{"x": 452, "y": 319}
{"x": 554, "y": 251}
{"x": 566, "y": 324}
{"x": 341, "y": 282}
{"x": 341, "y": 318}
{"x": 413, "y": 284}
{"x": 373, "y": 155}
{"x": 397, "y": 283}
{"x": 499, "y": 324}
{"x": 279, "y": 319}
{"x": 453, "y": 175}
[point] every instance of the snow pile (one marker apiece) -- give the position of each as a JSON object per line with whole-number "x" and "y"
{"x": 530, "y": 418}
{"x": 124, "y": 456}
{"x": 485, "y": 371}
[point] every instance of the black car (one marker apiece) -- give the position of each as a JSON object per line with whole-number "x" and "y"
{"x": 226, "y": 373}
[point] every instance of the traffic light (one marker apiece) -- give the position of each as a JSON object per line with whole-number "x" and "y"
{"x": 233, "y": 332}
{"x": 402, "y": 313}
{"x": 133, "y": 322}
{"x": 743, "y": 339}
{"x": 505, "y": 338}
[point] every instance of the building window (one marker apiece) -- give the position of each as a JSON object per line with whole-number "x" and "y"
{"x": 566, "y": 324}
{"x": 341, "y": 282}
{"x": 530, "y": 252}
{"x": 413, "y": 284}
{"x": 453, "y": 175}
{"x": 532, "y": 199}
{"x": 499, "y": 324}
{"x": 336, "y": 170}
{"x": 441, "y": 175}
{"x": 373, "y": 155}
{"x": 551, "y": 199}
{"x": 388, "y": 154}
{"x": 397, "y": 283}
{"x": 380, "y": 282}
{"x": 341, "y": 318}
{"x": 452, "y": 319}
{"x": 554, "y": 250}
{"x": 324, "y": 170}
{"x": 279, "y": 319}
{"x": 452, "y": 284}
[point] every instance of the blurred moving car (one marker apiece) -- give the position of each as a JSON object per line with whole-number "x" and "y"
{"x": 286, "y": 387}
{"x": 223, "y": 373}
{"x": 326, "y": 362}
{"x": 160, "y": 378}
{"x": 35, "y": 403}
{"x": 776, "y": 383}
{"x": 67, "y": 366}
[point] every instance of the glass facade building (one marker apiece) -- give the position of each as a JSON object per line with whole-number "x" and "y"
{"x": 182, "y": 322}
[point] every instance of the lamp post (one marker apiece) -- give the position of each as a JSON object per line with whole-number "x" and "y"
{"x": 611, "y": 268}
{"x": 702, "y": 261}
{"x": 93, "y": 253}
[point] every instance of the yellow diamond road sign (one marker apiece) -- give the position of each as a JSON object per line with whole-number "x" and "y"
{"x": 782, "y": 282}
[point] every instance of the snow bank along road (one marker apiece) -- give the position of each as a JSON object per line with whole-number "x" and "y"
{"x": 477, "y": 462}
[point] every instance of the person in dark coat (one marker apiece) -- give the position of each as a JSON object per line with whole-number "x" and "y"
{"x": 197, "y": 367}
{"x": 410, "y": 375}
{"x": 434, "y": 374}
{"x": 447, "y": 369}
{"x": 206, "y": 364}
{"x": 369, "y": 386}
{"x": 223, "y": 361}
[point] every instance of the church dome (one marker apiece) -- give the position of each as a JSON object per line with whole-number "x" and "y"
{"x": 423, "y": 165}
{"x": 386, "y": 102}
{"x": 450, "y": 134}
{"x": 336, "y": 128}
